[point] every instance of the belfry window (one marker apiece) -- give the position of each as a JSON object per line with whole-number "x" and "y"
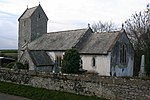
{"x": 39, "y": 15}
{"x": 123, "y": 54}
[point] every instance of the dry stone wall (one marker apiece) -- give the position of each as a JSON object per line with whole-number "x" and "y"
{"x": 112, "y": 88}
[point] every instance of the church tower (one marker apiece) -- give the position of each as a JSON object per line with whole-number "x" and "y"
{"x": 32, "y": 24}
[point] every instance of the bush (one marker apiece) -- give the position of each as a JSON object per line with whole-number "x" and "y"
{"x": 71, "y": 61}
{"x": 17, "y": 65}
{"x": 10, "y": 65}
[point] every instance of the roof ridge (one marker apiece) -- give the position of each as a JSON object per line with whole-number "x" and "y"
{"x": 67, "y": 30}
{"x": 111, "y": 32}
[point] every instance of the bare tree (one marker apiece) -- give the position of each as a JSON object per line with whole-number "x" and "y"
{"x": 103, "y": 27}
{"x": 138, "y": 31}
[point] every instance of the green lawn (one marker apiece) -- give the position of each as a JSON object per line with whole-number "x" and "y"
{"x": 41, "y": 94}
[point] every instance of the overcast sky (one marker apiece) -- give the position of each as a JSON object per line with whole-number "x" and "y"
{"x": 65, "y": 14}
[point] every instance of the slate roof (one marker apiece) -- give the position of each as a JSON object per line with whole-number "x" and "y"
{"x": 96, "y": 43}
{"x": 62, "y": 40}
{"x": 99, "y": 43}
{"x": 40, "y": 58}
{"x": 28, "y": 12}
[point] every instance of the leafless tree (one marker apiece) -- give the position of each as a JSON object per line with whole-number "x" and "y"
{"x": 103, "y": 27}
{"x": 138, "y": 31}
{"x": 137, "y": 28}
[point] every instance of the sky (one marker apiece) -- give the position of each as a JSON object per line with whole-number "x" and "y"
{"x": 65, "y": 15}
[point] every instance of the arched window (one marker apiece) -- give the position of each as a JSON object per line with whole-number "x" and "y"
{"x": 93, "y": 62}
{"x": 58, "y": 60}
{"x": 81, "y": 63}
{"x": 123, "y": 54}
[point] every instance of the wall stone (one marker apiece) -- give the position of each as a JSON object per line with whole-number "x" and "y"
{"x": 112, "y": 88}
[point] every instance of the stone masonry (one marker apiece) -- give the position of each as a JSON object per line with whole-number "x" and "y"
{"x": 112, "y": 88}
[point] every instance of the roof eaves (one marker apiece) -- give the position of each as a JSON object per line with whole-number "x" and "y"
{"x": 27, "y": 10}
{"x": 94, "y": 53}
{"x": 22, "y": 14}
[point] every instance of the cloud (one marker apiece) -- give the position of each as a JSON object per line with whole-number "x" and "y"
{"x": 8, "y": 31}
{"x": 65, "y": 14}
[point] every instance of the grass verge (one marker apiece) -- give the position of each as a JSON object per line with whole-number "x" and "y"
{"x": 40, "y": 93}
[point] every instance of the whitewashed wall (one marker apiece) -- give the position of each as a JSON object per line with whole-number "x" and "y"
{"x": 102, "y": 63}
{"x": 54, "y": 54}
{"x": 126, "y": 71}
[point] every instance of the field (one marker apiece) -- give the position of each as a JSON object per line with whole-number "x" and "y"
{"x": 40, "y": 93}
{"x": 9, "y": 53}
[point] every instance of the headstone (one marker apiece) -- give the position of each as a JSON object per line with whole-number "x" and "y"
{"x": 142, "y": 67}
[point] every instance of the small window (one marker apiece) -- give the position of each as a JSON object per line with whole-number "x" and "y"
{"x": 24, "y": 23}
{"x": 39, "y": 15}
{"x": 58, "y": 60}
{"x": 93, "y": 62}
{"x": 81, "y": 63}
{"x": 123, "y": 54}
{"x": 25, "y": 41}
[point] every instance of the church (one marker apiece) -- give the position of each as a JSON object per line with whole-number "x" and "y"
{"x": 108, "y": 54}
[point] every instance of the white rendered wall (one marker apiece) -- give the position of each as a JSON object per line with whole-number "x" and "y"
{"x": 102, "y": 63}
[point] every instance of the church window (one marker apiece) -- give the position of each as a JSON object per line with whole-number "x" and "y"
{"x": 58, "y": 60}
{"x": 81, "y": 63}
{"x": 123, "y": 54}
{"x": 93, "y": 62}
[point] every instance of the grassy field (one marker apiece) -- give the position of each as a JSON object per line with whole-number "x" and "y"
{"x": 41, "y": 94}
{"x": 9, "y": 53}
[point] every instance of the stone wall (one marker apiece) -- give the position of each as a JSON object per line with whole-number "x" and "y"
{"x": 112, "y": 88}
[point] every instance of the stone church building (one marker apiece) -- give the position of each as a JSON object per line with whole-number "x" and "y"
{"x": 109, "y": 54}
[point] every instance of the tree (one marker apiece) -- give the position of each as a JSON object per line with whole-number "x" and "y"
{"x": 138, "y": 31}
{"x": 137, "y": 28}
{"x": 71, "y": 61}
{"x": 103, "y": 27}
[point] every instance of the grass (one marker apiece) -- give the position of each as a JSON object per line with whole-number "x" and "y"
{"x": 9, "y": 53}
{"x": 40, "y": 93}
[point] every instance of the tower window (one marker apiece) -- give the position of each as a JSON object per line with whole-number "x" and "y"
{"x": 24, "y": 23}
{"x": 39, "y": 15}
{"x": 123, "y": 54}
{"x": 25, "y": 41}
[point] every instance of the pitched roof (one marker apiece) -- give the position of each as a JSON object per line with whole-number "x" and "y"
{"x": 99, "y": 43}
{"x": 40, "y": 58}
{"x": 62, "y": 40}
{"x": 28, "y": 12}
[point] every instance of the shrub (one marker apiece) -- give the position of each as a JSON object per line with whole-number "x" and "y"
{"x": 10, "y": 65}
{"x": 71, "y": 61}
{"x": 17, "y": 65}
